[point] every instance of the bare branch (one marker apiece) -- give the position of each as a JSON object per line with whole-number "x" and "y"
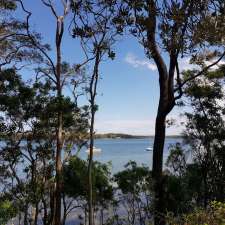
{"x": 201, "y": 72}
{"x": 37, "y": 45}
{"x": 50, "y": 5}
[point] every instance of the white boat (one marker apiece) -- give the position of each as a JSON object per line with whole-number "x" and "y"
{"x": 95, "y": 150}
{"x": 149, "y": 149}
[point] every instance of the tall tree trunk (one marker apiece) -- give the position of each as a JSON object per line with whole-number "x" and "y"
{"x": 19, "y": 219}
{"x": 64, "y": 209}
{"x": 157, "y": 168}
{"x": 58, "y": 160}
{"x": 85, "y": 216}
{"x": 52, "y": 207}
{"x": 36, "y": 214}
{"x": 102, "y": 214}
{"x": 90, "y": 162}
{"x": 93, "y": 92}
{"x": 58, "y": 190}
{"x": 205, "y": 183}
{"x": 25, "y": 219}
{"x": 45, "y": 216}
{"x": 166, "y": 103}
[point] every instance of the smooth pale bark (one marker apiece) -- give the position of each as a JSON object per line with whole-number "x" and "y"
{"x": 59, "y": 133}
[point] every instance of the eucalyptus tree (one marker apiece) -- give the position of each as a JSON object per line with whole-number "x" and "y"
{"x": 204, "y": 131}
{"x": 94, "y": 26}
{"x": 168, "y": 31}
{"x": 28, "y": 121}
{"x": 25, "y": 158}
{"x": 60, "y": 74}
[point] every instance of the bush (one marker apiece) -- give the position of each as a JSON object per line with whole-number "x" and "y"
{"x": 214, "y": 215}
{"x": 7, "y": 211}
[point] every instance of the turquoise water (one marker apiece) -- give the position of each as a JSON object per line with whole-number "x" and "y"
{"x": 121, "y": 151}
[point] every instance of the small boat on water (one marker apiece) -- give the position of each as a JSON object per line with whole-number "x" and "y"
{"x": 149, "y": 149}
{"x": 95, "y": 150}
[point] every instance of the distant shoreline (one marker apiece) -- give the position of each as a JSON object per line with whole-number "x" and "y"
{"x": 109, "y": 136}
{"x": 129, "y": 136}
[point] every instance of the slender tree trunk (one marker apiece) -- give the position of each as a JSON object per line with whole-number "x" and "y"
{"x": 205, "y": 183}
{"x": 102, "y": 215}
{"x": 52, "y": 207}
{"x": 33, "y": 212}
{"x": 45, "y": 216}
{"x": 85, "y": 216}
{"x": 19, "y": 218}
{"x": 58, "y": 190}
{"x": 90, "y": 185}
{"x": 36, "y": 214}
{"x": 26, "y": 216}
{"x": 64, "y": 210}
{"x": 93, "y": 92}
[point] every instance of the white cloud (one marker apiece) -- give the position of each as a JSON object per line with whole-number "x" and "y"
{"x": 222, "y": 62}
{"x": 184, "y": 64}
{"x": 139, "y": 63}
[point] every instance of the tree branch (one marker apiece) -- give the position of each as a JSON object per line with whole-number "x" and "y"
{"x": 201, "y": 72}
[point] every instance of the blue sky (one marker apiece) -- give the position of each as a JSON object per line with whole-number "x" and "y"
{"x": 128, "y": 91}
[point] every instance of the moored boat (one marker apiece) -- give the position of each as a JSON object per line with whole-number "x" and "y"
{"x": 149, "y": 149}
{"x": 95, "y": 150}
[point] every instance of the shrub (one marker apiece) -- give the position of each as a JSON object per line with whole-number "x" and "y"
{"x": 213, "y": 215}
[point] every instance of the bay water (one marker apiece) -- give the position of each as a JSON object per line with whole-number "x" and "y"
{"x": 120, "y": 151}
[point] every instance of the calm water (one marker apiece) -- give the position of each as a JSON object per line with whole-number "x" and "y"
{"x": 121, "y": 151}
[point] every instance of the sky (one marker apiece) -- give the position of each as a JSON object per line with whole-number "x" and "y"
{"x": 128, "y": 92}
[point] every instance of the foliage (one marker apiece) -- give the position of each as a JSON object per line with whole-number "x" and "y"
{"x": 134, "y": 194}
{"x": 204, "y": 131}
{"x": 214, "y": 215}
{"x": 7, "y": 211}
{"x": 133, "y": 178}
{"x": 27, "y": 155}
{"x": 185, "y": 187}
{"x": 176, "y": 159}
{"x": 15, "y": 46}
{"x": 75, "y": 180}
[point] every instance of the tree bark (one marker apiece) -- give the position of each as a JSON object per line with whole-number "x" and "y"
{"x": 36, "y": 214}
{"x": 93, "y": 92}
{"x": 64, "y": 210}
{"x": 58, "y": 190}
{"x": 157, "y": 168}
{"x": 59, "y": 133}
{"x": 45, "y": 216}
{"x": 26, "y": 215}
